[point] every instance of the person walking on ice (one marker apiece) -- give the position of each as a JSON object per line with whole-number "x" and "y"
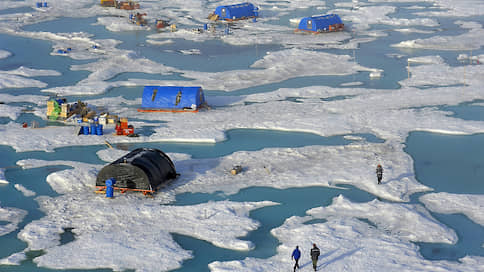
{"x": 296, "y": 254}
{"x": 379, "y": 173}
{"x": 314, "y": 256}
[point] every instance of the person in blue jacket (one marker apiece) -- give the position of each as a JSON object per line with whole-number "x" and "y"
{"x": 296, "y": 254}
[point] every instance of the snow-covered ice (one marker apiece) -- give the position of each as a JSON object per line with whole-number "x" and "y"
{"x": 470, "y": 205}
{"x": 4, "y": 54}
{"x": 373, "y": 236}
{"x": 24, "y": 190}
{"x": 110, "y": 224}
{"x": 12, "y": 217}
{"x": 406, "y": 221}
{"x": 346, "y": 244}
{"x": 471, "y": 40}
{"x": 2, "y": 176}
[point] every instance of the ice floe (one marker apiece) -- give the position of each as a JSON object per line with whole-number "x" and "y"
{"x": 470, "y": 40}
{"x": 470, "y": 205}
{"x": 14, "y": 81}
{"x": 353, "y": 165}
{"x": 12, "y": 217}
{"x": 112, "y": 224}
{"x": 17, "y": 78}
{"x": 2, "y": 176}
{"x": 102, "y": 226}
{"x": 407, "y": 221}
{"x": 346, "y": 244}
{"x": 365, "y": 16}
{"x": 26, "y": 192}
{"x": 4, "y": 54}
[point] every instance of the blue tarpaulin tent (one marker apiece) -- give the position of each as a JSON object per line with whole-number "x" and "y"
{"x": 323, "y": 23}
{"x": 236, "y": 12}
{"x": 172, "y": 98}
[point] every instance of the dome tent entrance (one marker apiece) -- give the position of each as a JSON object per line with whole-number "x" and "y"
{"x": 142, "y": 169}
{"x": 323, "y": 23}
{"x": 172, "y": 99}
{"x": 234, "y": 12}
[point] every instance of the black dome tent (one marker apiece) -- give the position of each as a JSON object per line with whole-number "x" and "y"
{"x": 143, "y": 169}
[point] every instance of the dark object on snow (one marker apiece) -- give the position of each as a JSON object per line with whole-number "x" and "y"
{"x": 236, "y": 169}
{"x": 379, "y": 173}
{"x": 143, "y": 169}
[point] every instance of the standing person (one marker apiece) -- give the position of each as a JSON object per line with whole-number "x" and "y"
{"x": 296, "y": 254}
{"x": 379, "y": 173}
{"x": 314, "y": 256}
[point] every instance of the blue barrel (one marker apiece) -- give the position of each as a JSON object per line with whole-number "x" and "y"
{"x": 45, "y": 4}
{"x": 85, "y": 130}
{"x": 69, "y": 49}
{"x": 93, "y": 129}
{"x": 205, "y": 27}
{"x": 109, "y": 187}
{"x": 39, "y": 4}
{"x": 99, "y": 130}
{"x": 254, "y": 20}
{"x": 60, "y": 51}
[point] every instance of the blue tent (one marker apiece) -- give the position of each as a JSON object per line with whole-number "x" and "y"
{"x": 236, "y": 12}
{"x": 322, "y": 23}
{"x": 171, "y": 98}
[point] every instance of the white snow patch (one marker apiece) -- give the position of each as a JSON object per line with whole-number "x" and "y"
{"x": 407, "y": 221}
{"x": 349, "y": 84}
{"x": 109, "y": 224}
{"x": 155, "y": 42}
{"x": 193, "y": 51}
{"x": 4, "y": 54}
{"x": 14, "y": 259}
{"x": 471, "y": 40}
{"x": 2, "y": 176}
{"x": 470, "y": 205}
{"x": 14, "y": 81}
{"x": 353, "y": 164}
{"x": 442, "y": 74}
{"x": 13, "y": 217}
{"x": 24, "y": 190}
{"x": 12, "y": 112}
{"x": 427, "y": 60}
{"x": 16, "y": 78}
{"x": 346, "y": 244}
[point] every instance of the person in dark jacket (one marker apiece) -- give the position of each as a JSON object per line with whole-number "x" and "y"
{"x": 314, "y": 256}
{"x": 379, "y": 173}
{"x": 296, "y": 254}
